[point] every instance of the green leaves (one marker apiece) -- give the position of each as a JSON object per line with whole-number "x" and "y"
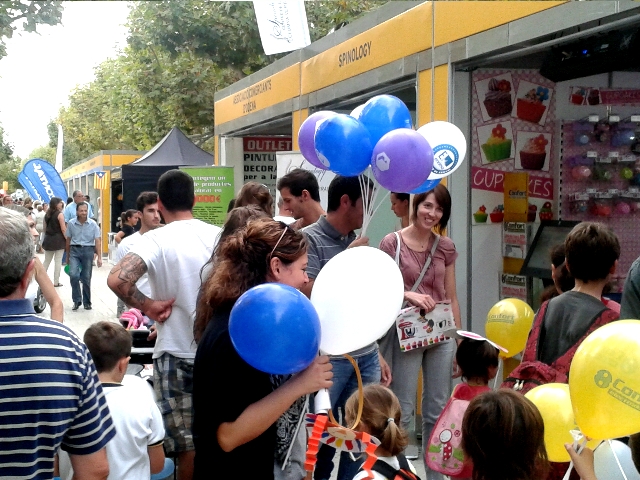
{"x": 28, "y": 15}
{"x": 179, "y": 54}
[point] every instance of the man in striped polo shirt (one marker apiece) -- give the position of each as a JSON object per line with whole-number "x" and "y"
{"x": 332, "y": 234}
{"x": 51, "y": 396}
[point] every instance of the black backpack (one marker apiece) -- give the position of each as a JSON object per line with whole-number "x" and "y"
{"x": 386, "y": 470}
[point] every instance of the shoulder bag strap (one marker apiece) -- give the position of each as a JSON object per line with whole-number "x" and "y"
{"x": 397, "y": 248}
{"x": 426, "y": 263}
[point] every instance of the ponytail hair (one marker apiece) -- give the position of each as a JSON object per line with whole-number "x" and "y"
{"x": 242, "y": 262}
{"x": 381, "y": 416}
{"x": 126, "y": 216}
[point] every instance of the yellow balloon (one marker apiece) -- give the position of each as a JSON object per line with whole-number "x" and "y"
{"x": 508, "y": 325}
{"x": 604, "y": 381}
{"x": 554, "y": 403}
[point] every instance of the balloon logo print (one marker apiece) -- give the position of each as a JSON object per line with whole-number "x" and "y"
{"x": 445, "y": 159}
{"x": 603, "y": 378}
{"x": 323, "y": 159}
{"x": 383, "y": 162}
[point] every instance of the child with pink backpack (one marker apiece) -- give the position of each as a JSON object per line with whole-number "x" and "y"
{"x": 477, "y": 359}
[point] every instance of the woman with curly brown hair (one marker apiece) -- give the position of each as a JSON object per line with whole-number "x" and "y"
{"x": 252, "y": 416}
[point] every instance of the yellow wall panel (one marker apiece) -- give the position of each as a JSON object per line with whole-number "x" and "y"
{"x": 398, "y": 37}
{"x": 216, "y": 150}
{"x": 456, "y": 20}
{"x": 441, "y": 94}
{"x": 298, "y": 117}
{"x": 272, "y": 90}
{"x": 423, "y": 113}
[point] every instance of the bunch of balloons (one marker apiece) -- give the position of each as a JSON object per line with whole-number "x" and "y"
{"x": 379, "y": 135}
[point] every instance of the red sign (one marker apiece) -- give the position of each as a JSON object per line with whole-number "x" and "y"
{"x": 493, "y": 180}
{"x": 267, "y": 144}
{"x": 619, "y": 97}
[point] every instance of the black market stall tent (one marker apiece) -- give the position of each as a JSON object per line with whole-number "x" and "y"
{"x": 173, "y": 151}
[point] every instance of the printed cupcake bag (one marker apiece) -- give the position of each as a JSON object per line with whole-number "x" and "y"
{"x": 532, "y": 102}
{"x": 532, "y": 150}
{"x": 496, "y": 142}
{"x": 495, "y": 95}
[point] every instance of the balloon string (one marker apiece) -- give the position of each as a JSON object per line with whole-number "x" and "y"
{"x": 386, "y": 195}
{"x": 578, "y": 447}
{"x": 495, "y": 380}
{"x": 360, "y": 395}
{"x": 617, "y": 460}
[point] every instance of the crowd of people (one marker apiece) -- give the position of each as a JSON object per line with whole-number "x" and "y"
{"x": 216, "y": 415}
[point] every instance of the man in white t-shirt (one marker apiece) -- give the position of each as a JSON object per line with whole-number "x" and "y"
{"x": 173, "y": 257}
{"x": 147, "y": 204}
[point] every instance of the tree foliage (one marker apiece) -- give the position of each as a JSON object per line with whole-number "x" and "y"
{"x": 9, "y": 164}
{"x": 31, "y": 13}
{"x": 179, "y": 54}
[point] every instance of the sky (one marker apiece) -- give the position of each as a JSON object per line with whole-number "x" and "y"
{"x": 42, "y": 69}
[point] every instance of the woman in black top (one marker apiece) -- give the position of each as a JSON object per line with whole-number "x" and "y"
{"x": 128, "y": 220}
{"x": 54, "y": 241}
{"x": 243, "y": 416}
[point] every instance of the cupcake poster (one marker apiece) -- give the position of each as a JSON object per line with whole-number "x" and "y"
{"x": 496, "y": 142}
{"x": 533, "y": 151}
{"x": 532, "y": 102}
{"x": 496, "y": 96}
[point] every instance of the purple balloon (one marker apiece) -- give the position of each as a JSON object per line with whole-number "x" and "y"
{"x": 306, "y": 135}
{"x": 402, "y": 160}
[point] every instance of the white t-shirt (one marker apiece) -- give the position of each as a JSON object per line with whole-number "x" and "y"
{"x": 393, "y": 461}
{"x": 138, "y": 423}
{"x": 174, "y": 255}
{"x": 125, "y": 246}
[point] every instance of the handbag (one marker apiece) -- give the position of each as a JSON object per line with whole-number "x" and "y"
{"x": 417, "y": 328}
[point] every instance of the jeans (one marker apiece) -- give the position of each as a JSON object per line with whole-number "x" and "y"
{"x": 345, "y": 383}
{"x": 436, "y": 361}
{"x": 80, "y": 269}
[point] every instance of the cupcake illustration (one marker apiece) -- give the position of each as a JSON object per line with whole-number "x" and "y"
{"x": 577, "y": 97}
{"x": 498, "y": 214}
{"x": 497, "y": 146}
{"x": 594, "y": 97}
{"x": 531, "y": 108}
{"x": 481, "y": 215}
{"x": 497, "y": 100}
{"x": 533, "y": 155}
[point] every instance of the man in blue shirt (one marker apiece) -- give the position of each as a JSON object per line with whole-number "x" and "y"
{"x": 51, "y": 395}
{"x": 70, "y": 210}
{"x": 83, "y": 239}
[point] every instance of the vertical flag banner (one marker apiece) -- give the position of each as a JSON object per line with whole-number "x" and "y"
{"x": 283, "y": 25}
{"x": 28, "y": 186}
{"x": 101, "y": 180}
{"x": 44, "y": 178}
{"x": 59, "y": 150}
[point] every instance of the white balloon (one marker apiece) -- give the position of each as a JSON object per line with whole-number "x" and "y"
{"x": 449, "y": 147}
{"x": 355, "y": 113}
{"x": 606, "y": 466}
{"x": 358, "y": 295}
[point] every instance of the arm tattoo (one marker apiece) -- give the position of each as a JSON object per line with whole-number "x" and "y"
{"x": 128, "y": 271}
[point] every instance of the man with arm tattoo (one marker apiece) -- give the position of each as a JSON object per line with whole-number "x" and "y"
{"x": 172, "y": 257}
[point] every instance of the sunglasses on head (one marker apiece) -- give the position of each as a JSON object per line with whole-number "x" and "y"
{"x": 284, "y": 230}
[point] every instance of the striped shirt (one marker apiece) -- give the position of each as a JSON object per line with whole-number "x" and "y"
{"x": 324, "y": 243}
{"x": 50, "y": 395}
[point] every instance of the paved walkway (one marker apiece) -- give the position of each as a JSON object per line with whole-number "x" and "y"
{"x": 104, "y": 305}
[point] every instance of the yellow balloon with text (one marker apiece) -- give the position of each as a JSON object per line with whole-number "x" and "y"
{"x": 508, "y": 324}
{"x": 554, "y": 403}
{"x": 604, "y": 381}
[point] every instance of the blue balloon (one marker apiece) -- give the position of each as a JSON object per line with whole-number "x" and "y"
{"x": 275, "y": 329}
{"x": 427, "y": 185}
{"x": 343, "y": 145}
{"x": 384, "y": 113}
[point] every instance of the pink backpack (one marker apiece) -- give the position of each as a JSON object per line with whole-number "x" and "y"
{"x": 444, "y": 452}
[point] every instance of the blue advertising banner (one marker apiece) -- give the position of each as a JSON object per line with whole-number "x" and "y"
{"x": 28, "y": 186}
{"x": 44, "y": 177}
